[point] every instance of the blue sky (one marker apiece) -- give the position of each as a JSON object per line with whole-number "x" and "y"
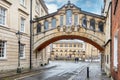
{"x": 93, "y": 6}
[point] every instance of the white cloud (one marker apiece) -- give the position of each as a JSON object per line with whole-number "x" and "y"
{"x": 89, "y": 4}
{"x": 52, "y": 8}
{"x": 49, "y": 1}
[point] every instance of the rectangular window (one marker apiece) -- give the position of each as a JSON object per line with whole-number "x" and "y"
{"x": 69, "y": 17}
{"x": 22, "y": 2}
{"x": 116, "y": 51}
{"x": 22, "y": 51}
{"x": 2, "y": 49}
{"x": 2, "y": 15}
{"x": 61, "y": 20}
{"x": 76, "y": 19}
{"x": 22, "y": 26}
{"x": 53, "y": 22}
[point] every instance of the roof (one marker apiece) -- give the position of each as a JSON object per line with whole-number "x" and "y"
{"x": 44, "y": 5}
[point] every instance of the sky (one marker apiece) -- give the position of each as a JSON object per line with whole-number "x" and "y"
{"x": 93, "y": 6}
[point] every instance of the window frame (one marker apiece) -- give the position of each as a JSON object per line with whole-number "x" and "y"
{"x": 38, "y": 28}
{"x": 92, "y": 24}
{"x": 46, "y": 23}
{"x": 115, "y": 54}
{"x": 21, "y": 24}
{"x": 69, "y": 17}
{"x": 61, "y": 20}
{"x": 85, "y": 25}
{"x": 76, "y": 20}
{"x": 102, "y": 26}
{"x": 5, "y": 15}
{"x": 23, "y": 3}
{"x": 5, "y": 46}
{"x": 23, "y": 53}
{"x": 53, "y": 24}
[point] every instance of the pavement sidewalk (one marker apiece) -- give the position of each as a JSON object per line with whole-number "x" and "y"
{"x": 95, "y": 73}
{"x": 13, "y": 73}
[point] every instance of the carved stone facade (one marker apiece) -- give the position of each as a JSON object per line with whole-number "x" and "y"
{"x": 14, "y": 16}
{"x": 70, "y": 22}
{"x": 71, "y": 49}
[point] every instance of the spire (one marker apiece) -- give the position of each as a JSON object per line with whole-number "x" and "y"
{"x": 69, "y": 2}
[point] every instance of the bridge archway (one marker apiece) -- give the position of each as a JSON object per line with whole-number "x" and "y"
{"x": 46, "y": 43}
{"x": 94, "y": 38}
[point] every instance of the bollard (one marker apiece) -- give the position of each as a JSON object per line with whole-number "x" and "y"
{"x": 87, "y": 72}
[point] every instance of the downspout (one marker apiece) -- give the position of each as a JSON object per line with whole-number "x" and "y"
{"x": 30, "y": 34}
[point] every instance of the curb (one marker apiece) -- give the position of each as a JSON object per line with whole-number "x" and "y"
{"x": 25, "y": 72}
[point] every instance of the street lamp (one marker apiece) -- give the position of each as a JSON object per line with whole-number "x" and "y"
{"x": 19, "y": 35}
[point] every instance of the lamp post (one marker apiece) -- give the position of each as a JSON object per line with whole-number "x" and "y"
{"x": 19, "y": 35}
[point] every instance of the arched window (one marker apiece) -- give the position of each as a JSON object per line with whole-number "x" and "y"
{"x": 75, "y": 19}
{"x": 100, "y": 26}
{"x": 84, "y": 22}
{"x": 68, "y": 17}
{"x": 46, "y": 25}
{"x": 53, "y": 22}
{"x": 38, "y": 27}
{"x": 92, "y": 24}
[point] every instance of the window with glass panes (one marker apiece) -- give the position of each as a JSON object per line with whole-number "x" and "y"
{"x": 2, "y": 15}
{"x": 22, "y": 2}
{"x": 84, "y": 22}
{"x": 68, "y": 17}
{"x": 38, "y": 27}
{"x": 92, "y": 24}
{"x": 22, "y": 50}
{"x": 61, "y": 20}
{"x": 22, "y": 25}
{"x": 2, "y": 49}
{"x": 46, "y": 25}
{"x": 53, "y": 22}
{"x": 75, "y": 19}
{"x": 100, "y": 26}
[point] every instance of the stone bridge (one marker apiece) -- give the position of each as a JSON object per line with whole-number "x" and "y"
{"x": 69, "y": 22}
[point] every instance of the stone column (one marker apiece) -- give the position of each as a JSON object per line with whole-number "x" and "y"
{"x": 88, "y": 22}
{"x": 96, "y": 26}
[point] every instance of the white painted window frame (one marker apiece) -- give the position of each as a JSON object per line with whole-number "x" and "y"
{"x": 4, "y": 50}
{"x": 115, "y": 60}
{"x": 22, "y": 22}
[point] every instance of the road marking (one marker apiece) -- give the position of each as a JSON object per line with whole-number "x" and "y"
{"x": 82, "y": 68}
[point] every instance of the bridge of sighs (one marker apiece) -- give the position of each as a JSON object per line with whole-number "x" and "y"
{"x": 69, "y": 22}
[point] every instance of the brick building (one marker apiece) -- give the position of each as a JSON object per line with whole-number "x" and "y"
{"x": 115, "y": 64}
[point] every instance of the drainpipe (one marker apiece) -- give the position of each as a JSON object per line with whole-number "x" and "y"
{"x": 111, "y": 41}
{"x": 30, "y": 34}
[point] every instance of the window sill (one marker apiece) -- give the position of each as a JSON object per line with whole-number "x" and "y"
{"x": 23, "y": 6}
{"x": 3, "y": 59}
{"x": 3, "y": 25}
{"x": 23, "y": 58}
